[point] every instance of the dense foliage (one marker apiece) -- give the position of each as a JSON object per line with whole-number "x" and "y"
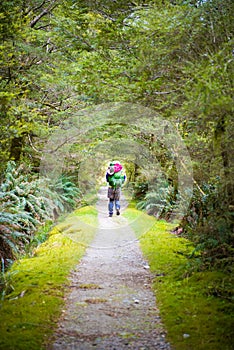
{"x": 175, "y": 57}
{"x": 28, "y": 203}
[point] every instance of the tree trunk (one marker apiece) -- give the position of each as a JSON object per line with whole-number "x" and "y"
{"x": 221, "y": 150}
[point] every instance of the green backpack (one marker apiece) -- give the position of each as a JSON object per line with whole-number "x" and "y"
{"x": 116, "y": 180}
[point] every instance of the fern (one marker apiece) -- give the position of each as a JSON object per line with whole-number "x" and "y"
{"x": 159, "y": 200}
{"x": 27, "y": 202}
{"x": 67, "y": 192}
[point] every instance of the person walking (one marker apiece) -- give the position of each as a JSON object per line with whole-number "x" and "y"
{"x": 115, "y": 179}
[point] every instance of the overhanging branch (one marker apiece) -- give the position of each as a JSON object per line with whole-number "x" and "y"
{"x": 43, "y": 13}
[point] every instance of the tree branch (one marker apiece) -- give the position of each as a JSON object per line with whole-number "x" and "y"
{"x": 31, "y": 144}
{"x": 43, "y": 13}
{"x": 52, "y": 106}
{"x": 163, "y": 92}
{"x": 35, "y": 8}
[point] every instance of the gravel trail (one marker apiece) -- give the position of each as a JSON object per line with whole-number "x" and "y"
{"x": 111, "y": 304}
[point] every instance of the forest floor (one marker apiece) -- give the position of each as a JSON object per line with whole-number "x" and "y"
{"x": 111, "y": 304}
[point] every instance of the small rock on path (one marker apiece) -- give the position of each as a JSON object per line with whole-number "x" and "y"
{"x": 111, "y": 304}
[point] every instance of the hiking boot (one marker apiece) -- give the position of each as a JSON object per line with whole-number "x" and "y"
{"x": 117, "y": 212}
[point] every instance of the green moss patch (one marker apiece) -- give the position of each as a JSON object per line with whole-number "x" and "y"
{"x": 89, "y": 286}
{"x": 194, "y": 315}
{"x": 37, "y": 285}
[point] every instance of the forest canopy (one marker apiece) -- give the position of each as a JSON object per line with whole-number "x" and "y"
{"x": 59, "y": 58}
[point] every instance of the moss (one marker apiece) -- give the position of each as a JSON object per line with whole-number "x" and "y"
{"x": 89, "y": 286}
{"x": 194, "y": 316}
{"x": 30, "y": 311}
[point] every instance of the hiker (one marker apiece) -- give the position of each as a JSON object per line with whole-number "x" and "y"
{"x": 115, "y": 178}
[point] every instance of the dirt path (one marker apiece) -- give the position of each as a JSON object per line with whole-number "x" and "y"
{"x": 111, "y": 304}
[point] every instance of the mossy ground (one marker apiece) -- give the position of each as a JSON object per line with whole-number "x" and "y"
{"x": 37, "y": 285}
{"x": 195, "y": 319}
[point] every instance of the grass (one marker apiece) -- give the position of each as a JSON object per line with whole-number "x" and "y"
{"x": 36, "y": 286}
{"x": 193, "y": 314}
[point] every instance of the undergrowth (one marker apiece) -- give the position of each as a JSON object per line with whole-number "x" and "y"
{"x": 35, "y": 287}
{"x": 28, "y": 202}
{"x": 195, "y": 306}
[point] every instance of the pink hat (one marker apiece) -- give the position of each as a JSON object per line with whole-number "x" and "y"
{"x": 117, "y": 167}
